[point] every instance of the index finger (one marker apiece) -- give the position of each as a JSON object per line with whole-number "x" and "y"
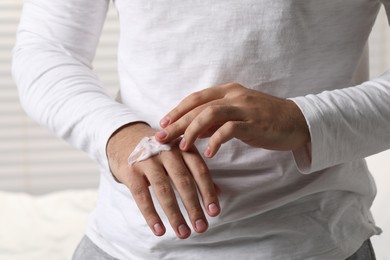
{"x": 189, "y": 103}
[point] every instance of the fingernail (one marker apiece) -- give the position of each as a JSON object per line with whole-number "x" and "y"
{"x": 183, "y": 230}
{"x": 164, "y": 122}
{"x": 161, "y": 134}
{"x": 200, "y": 225}
{"x": 213, "y": 209}
{"x": 182, "y": 144}
{"x": 158, "y": 229}
{"x": 207, "y": 153}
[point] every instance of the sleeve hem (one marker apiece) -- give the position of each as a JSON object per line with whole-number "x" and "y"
{"x": 302, "y": 158}
{"x": 306, "y": 158}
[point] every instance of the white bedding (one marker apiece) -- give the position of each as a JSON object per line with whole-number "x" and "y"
{"x": 45, "y": 227}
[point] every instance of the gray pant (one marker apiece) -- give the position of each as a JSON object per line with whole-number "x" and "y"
{"x": 87, "y": 250}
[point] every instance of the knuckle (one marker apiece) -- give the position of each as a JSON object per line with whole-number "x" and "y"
{"x": 234, "y": 90}
{"x": 196, "y": 97}
{"x": 180, "y": 176}
{"x": 234, "y": 124}
{"x": 121, "y": 177}
{"x": 163, "y": 190}
{"x": 194, "y": 210}
{"x": 131, "y": 175}
{"x": 185, "y": 183}
{"x": 149, "y": 214}
{"x": 179, "y": 125}
{"x": 135, "y": 188}
{"x": 201, "y": 173}
{"x": 202, "y": 170}
{"x": 127, "y": 175}
{"x": 210, "y": 195}
{"x": 212, "y": 111}
{"x": 174, "y": 111}
{"x": 230, "y": 126}
{"x": 172, "y": 128}
{"x": 233, "y": 85}
{"x": 248, "y": 99}
{"x": 217, "y": 137}
{"x": 139, "y": 193}
{"x": 186, "y": 120}
{"x": 159, "y": 180}
{"x": 244, "y": 128}
{"x": 228, "y": 85}
{"x": 198, "y": 123}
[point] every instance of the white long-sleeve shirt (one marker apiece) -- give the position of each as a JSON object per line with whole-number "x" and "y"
{"x": 275, "y": 205}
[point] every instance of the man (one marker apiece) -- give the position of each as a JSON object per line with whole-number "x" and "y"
{"x": 289, "y": 181}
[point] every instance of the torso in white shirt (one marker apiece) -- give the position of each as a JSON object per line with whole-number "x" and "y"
{"x": 169, "y": 49}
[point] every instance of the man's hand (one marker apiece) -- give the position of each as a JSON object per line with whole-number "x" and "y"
{"x": 186, "y": 170}
{"x": 233, "y": 111}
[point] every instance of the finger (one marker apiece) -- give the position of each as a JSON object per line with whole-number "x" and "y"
{"x": 208, "y": 119}
{"x": 189, "y": 103}
{"x": 210, "y": 131}
{"x": 228, "y": 131}
{"x": 185, "y": 185}
{"x": 139, "y": 188}
{"x": 177, "y": 128}
{"x": 208, "y": 190}
{"x": 163, "y": 190}
{"x": 217, "y": 189}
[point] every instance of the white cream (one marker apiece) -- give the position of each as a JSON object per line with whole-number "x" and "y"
{"x": 147, "y": 147}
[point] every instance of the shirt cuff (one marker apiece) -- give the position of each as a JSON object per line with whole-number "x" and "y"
{"x": 307, "y": 158}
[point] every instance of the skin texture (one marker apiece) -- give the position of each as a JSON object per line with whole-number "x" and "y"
{"x": 233, "y": 111}
{"x": 186, "y": 170}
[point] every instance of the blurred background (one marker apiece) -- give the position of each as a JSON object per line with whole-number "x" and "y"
{"x": 47, "y": 188}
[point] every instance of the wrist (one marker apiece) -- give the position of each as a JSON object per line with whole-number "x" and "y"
{"x": 122, "y": 142}
{"x": 129, "y": 131}
{"x": 301, "y": 128}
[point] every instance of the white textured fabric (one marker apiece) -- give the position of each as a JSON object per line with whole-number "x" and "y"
{"x": 147, "y": 147}
{"x": 304, "y": 50}
{"x": 43, "y": 227}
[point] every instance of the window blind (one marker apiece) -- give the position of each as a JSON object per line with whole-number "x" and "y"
{"x": 33, "y": 160}
{"x": 379, "y": 43}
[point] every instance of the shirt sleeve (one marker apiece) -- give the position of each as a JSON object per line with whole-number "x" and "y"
{"x": 346, "y": 124}
{"x": 52, "y": 68}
